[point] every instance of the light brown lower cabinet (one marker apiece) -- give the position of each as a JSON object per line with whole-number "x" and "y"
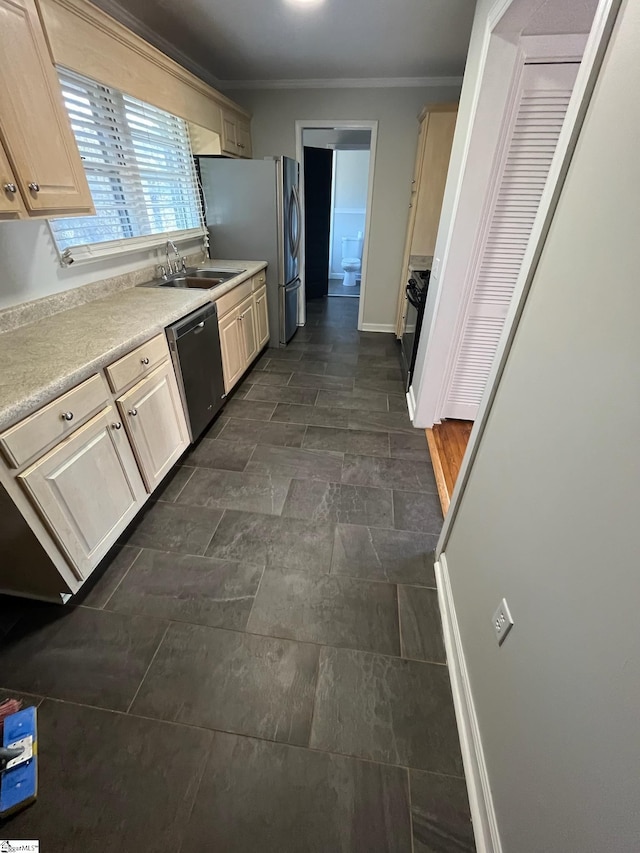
{"x": 87, "y": 489}
{"x": 244, "y": 330}
{"x": 262, "y": 317}
{"x": 248, "y": 336}
{"x": 155, "y": 421}
{"x": 232, "y": 349}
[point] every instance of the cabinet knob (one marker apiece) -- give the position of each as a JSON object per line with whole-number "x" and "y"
{"x": 117, "y": 425}
{"x": 240, "y": 145}
{"x": 10, "y": 188}
{"x": 412, "y": 182}
{"x": 133, "y": 412}
{"x": 410, "y": 205}
{"x": 144, "y": 360}
{"x": 67, "y": 416}
{"x": 35, "y": 188}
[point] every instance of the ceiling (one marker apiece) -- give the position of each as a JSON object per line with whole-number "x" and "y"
{"x": 277, "y": 40}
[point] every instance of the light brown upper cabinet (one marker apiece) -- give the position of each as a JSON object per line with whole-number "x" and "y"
{"x": 243, "y": 137}
{"x": 34, "y": 126}
{"x": 435, "y": 138}
{"x": 11, "y": 206}
{"x": 236, "y": 135}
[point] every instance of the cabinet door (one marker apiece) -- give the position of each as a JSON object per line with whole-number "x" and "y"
{"x": 11, "y": 206}
{"x": 262, "y": 317}
{"x": 229, "y": 135}
{"x": 153, "y": 413}
{"x": 243, "y": 138}
{"x": 232, "y": 349}
{"x": 33, "y": 121}
{"x": 247, "y": 318}
{"x": 433, "y": 177}
{"x": 87, "y": 489}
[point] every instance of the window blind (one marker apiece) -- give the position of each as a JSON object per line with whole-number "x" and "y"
{"x": 140, "y": 170}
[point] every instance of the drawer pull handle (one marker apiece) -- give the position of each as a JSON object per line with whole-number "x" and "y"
{"x": 67, "y": 416}
{"x": 10, "y": 188}
{"x": 35, "y": 188}
{"x": 133, "y": 412}
{"x": 144, "y": 360}
{"x": 117, "y": 425}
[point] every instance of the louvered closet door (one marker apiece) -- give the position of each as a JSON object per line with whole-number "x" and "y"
{"x": 544, "y": 97}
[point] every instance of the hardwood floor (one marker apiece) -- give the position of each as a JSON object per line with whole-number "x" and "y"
{"x": 447, "y": 443}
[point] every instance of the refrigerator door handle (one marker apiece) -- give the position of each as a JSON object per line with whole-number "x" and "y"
{"x": 296, "y": 198}
{"x": 290, "y": 226}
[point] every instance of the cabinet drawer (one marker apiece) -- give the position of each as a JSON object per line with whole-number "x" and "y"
{"x": 234, "y": 297}
{"x": 54, "y": 422}
{"x": 259, "y": 280}
{"x": 133, "y": 366}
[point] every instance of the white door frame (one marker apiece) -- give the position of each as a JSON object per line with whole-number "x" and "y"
{"x": 346, "y": 124}
{"x": 594, "y": 51}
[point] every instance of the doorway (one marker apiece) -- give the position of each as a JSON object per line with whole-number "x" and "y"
{"x": 337, "y": 163}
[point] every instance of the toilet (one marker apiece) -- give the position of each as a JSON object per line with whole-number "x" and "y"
{"x": 351, "y": 259}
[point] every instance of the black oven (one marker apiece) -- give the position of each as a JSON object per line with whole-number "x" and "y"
{"x": 416, "y": 296}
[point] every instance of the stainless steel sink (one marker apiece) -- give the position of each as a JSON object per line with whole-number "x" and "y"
{"x": 197, "y": 279}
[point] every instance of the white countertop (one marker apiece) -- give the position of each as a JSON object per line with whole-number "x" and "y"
{"x": 42, "y": 360}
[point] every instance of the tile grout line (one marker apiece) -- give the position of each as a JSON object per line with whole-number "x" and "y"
{"x": 410, "y": 804}
{"x": 186, "y": 482}
{"x": 162, "y": 721}
{"x": 117, "y": 586}
{"x": 169, "y": 623}
{"x": 315, "y": 701}
{"x": 399, "y": 621}
{"x": 253, "y": 604}
{"x": 215, "y": 530}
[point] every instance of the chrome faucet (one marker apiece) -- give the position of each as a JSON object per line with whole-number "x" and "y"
{"x": 172, "y": 269}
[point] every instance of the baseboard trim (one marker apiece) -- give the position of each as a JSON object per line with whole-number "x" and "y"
{"x": 411, "y": 402}
{"x": 378, "y": 327}
{"x": 485, "y": 824}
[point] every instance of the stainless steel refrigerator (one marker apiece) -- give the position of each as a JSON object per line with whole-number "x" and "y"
{"x": 252, "y": 212}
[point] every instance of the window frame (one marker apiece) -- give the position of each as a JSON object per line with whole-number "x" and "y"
{"x": 86, "y": 252}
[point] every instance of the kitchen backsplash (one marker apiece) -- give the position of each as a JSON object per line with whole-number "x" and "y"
{"x": 30, "y": 312}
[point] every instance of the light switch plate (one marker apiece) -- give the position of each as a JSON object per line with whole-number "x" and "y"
{"x": 502, "y": 621}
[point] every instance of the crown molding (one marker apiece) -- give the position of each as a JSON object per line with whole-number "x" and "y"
{"x": 343, "y": 83}
{"x": 124, "y": 17}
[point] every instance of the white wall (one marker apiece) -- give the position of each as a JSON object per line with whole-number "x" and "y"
{"x": 29, "y": 267}
{"x": 351, "y": 178}
{"x": 549, "y": 517}
{"x": 351, "y": 181}
{"x": 396, "y": 110}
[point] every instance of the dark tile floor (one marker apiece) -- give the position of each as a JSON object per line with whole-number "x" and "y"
{"x": 259, "y": 665}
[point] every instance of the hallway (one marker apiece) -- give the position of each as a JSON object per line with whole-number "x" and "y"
{"x": 260, "y": 666}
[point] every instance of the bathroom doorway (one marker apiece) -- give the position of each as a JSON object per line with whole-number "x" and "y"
{"x": 337, "y": 162}
{"x": 348, "y": 214}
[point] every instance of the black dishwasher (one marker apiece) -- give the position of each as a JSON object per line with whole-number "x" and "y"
{"x": 194, "y": 342}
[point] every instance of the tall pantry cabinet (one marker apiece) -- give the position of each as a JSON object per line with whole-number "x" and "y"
{"x": 436, "y": 127}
